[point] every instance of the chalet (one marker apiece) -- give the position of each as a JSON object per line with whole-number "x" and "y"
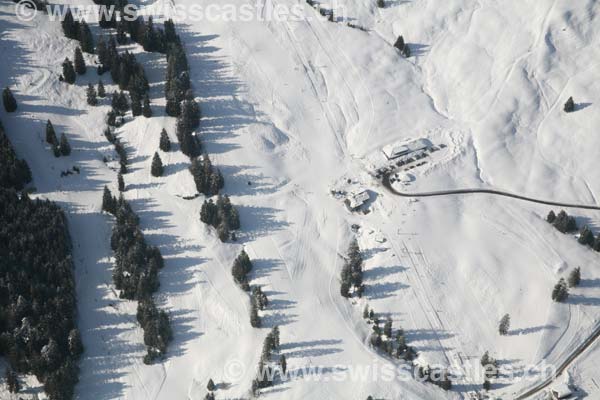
{"x": 562, "y": 392}
{"x": 394, "y": 151}
{"x": 357, "y": 199}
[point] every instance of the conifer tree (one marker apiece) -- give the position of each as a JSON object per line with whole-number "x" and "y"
{"x": 92, "y": 100}
{"x": 569, "y": 105}
{"x": 121, "y": 182}
{"x": 56, "y": 149}
{"x": 146, "y": 109}
{"x": 165, "y": 143}
{"x": 68, "y": 75}
{"x": 255, "y": 321}
{"x": 65, "y": 147}
{"x": 50, "y": 133}
{"x": 551, "y": 217}
{"x": 157, "y": 166}
{"x": 586, "y": 236}
{"x": 80, "y": 67}
{"x": 504, "y": 325}
{"x": 10, "y": 103}
{"x": 574, "y": 277}
{"x": 283, "y": 363}
{"x": 101, "y": 90}
{"x": 486, "y": 385}
{"x": 560, "y": 293}
{"x": 86, "y": 38}
{"x": 400, "y": 43}
{"x": 211, "y": 385}
{"x": 136, "y": 105}
{"x": 109, "y": 203}
{"x": 70, "y": 26}
{"x": 12, "y": 381}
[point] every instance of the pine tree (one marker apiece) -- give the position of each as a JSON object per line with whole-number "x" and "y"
{"x": 504, "y": 325}
{"x": 387, "y": 328}
{"x": 366, "y": 312}
{"x": 109, "y": 203}
{"x": 120, "y": 182}
{"x": 211, "y": 385}
{"x": 586, "y": 236}
{"x": 574, "y": 277}
{"x": 165, "y": 143}
{"x": 157, "y": 166}
{"x": 569, "y": 105}
{"x": 551, "y": 217}
{"x": 146, "y": 109}
{"x": 10, "y": 103}
{"x": 65, "y": 147}
{"x": 68, "y": 75}
{"x": 101, "y": 90}
{"x": 486, "y": 385}
{"x": 80, "y": 67}
{"x": 400, "y": 43}
{"x": 560, "y": 293}
{"x": 56, "y": 149}
{"x": 12, "y": 381}
{"x": 86, "y": 38}
{"x": 283, "y": 363}
{"x": 50, "y": 133}
{"x": 70, "y": 26}
{"x": 136, "y": 105}
{"x": 92, "y": 100}
{"x": 254, "y": 317}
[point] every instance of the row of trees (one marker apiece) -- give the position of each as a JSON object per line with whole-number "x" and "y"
{"x": 384, "y": 338}
{"x": 38, "y": 334}
{"x": 59, "y": 148}
{"x": 222, "y": 215}
{"x": 563, "y": 222}
{"x": 14, "y": 172}
{"x": 352, "y": 272}
{"x": 119, "y": 148}
{"x": 560, "y": 292}
{"x": 124, "y": 69}
{"x": 267, "y": 368}
{"x": 78, "y": 30}
{"x": 208, "y": 179}
{"x": 258, "y": 301}
{"x": 135, "y": 273}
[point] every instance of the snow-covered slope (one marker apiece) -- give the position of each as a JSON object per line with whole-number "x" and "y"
{"x": 290, "y": 110}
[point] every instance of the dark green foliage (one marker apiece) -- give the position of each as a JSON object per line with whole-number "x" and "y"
{"x": 70, "y": 26}
{"x": 560, "y": 293}
{"x": 65, "y": 147}
{"x": 92, "y": 100}
{"x": 75, "y": 344}
{"x": 211, "y": 385}
{"x": 119, "y": 103}
{"x": 381, "y": 3}
{"x": 165, "y": 143}
{"x": 50, "y": 133}
{"x": 259, "y": 297}
{"x": 101, "y": 90}
{"x": 120, "y": 182}
{"x": 240, "y": 270}
{"x": 68, "y": 74}
{"x": 10, "y": 103}
{"x": 586, "y": 236}
{"x": 12, "y": 381}
{"x": 220, "y": 215}
{"x": 504, "y": 325}
{"x": 136, "y": 105}
{"x": 255, "y": 321}
{"x": 14, "y": 172}
{"x": 352, "y": 273}
{"x": 564, "y": 223}
{"x": 146, "y": 109}
{"x": 400, "y": 43}
{"x": 86, "y": 39}
{"x": 56, "y": 150}
{"x": 551, "y": 217}
{"x": 569, "y": 105}
{"x": 208, "y": 179}
{"x": 157, "y": 166}
{"x": 574, "y": 277}
{"x": 122, "y": 32}
{"x": 177, "y": 78}
{"x": 80, "y": 67}
{"x": 157, "y": 329}
{"x": 109, "y": 203}
{"x": 37, "y": 289}
{"x": 486, "y": 385}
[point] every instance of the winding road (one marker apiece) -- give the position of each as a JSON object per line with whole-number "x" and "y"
{"x": 388, "y": 186}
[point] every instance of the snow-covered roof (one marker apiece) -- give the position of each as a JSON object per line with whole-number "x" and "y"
{"x": 561, "y": 391}
{"x": 359, "y": 198}
{"x": 396, "y": 149}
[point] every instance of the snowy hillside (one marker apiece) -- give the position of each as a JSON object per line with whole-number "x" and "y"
{"x": 293, "y": 110}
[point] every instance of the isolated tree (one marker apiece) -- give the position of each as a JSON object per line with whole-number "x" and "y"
{"x": 569, "y": 105}
{"x": 165, "y": 143}
{"x": 10, "y": 103}
{"x": 12, "y": 381}
{"x": 101, "y": 90}
{"x": 560, "y": 293}
{"x": 146, "y": 109}
{"x": 399, "y": 44}
{"x": 486, "y": 385}
{"x": 68, "y": 74}
{"x": 574, "y": 277}
{"x": 211, "y": 385}
{"x": 120, "y": 182}
{"x": 50, "y": 133}
{"x": 551, "y": 217}
{"x": 586, "y": 236}
{"x": 65, "y": 147}
{"x": 504, "y": 325}
{"x": 79, "y": 62}
{"x": 157, "y": 166}
{"x": 92, "y": 100}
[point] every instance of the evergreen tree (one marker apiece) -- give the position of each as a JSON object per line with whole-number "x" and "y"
{"x": 86, "y": 38}
{"x": 255, "y": 321}
{"x": 50, "y": 133}
{"x": 146, "y": 109}
{"x": 120, "y": 182}
{"x": 122, "y": 31}
{"x": 56, "y": 149}
{"x": 211, "y": 385}
{"x": 80, "y": 67}
{"x": 565, "y": 223}
{"x": 574, "y": 277}
{"x": 91, "y": 95}
{"x": 406, "y": 51}
{"x": 486, "y": 385}
{"x": 70, "y": 26}
{"x": 157, "y": 166}
{"x": 560, "y": 293}
{"x": 586, "y": 236}
{"x": 387, "y": 328}
{"x": 12, "y": 381}
{"x": 68, "y": 75}
{"x": 101, "y": 90}
{"x": 569, "y": 105}
{"x": 400, "y": 43}
{"x": 136, "y": 105}
{"x": 10, "y": 103}
{"x": 65, "y": 147}
{"x": 504, "y": 325}
{"x": 165, "y": 143}
{"x": 109, "y": 203}
{"x": 551, "y": 217}
{"x": 283, "y": 363}
{"x": 366, "y": 312}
